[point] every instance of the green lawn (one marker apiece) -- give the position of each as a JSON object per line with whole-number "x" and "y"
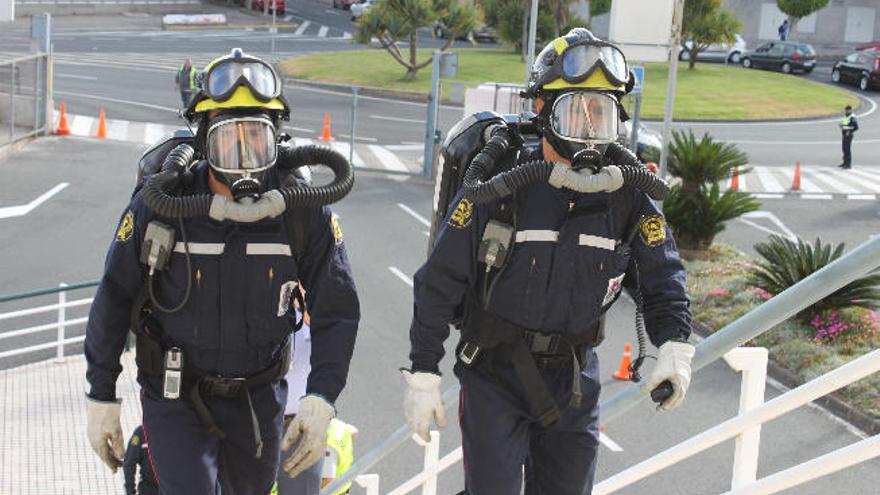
{"x": 709, "y": 92}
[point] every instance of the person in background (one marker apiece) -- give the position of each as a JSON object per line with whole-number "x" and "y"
{"x": 137, "y": 454}
{"x": 848, "y": 127}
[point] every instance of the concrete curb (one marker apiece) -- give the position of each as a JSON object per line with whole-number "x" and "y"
{"x": 831, "y": 403}
{"x": 363, "y": 90}
{"x": 199, "y": 27}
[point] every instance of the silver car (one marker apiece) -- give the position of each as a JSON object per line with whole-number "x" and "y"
{"x": 721, "y": 52}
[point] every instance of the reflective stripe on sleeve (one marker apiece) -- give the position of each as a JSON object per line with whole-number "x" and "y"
{"x": 215, "y": 248}
{"x": 268, "y": 249}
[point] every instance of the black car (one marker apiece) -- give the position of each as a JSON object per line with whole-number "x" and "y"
{"x": 860, "y": 68}
{"x": 785, "y": 56}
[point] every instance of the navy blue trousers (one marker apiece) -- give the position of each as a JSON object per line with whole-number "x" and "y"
{"x": 188, "y": 460}
{"x": 502, "y": 440}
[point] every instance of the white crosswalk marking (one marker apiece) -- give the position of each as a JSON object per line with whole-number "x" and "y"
{"x": 343, "y": 149}
{"x": 389, "y": 160}
{"x": 302, "y": 28}
{"x": 768, "y": 182}
{"x": 153, "y": 133}
{"x": 81, "y": 125}
{"x": 322, "y": 33}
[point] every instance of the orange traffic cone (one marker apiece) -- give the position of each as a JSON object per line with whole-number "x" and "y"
{"x": 62, "y": 122}
{"x": 623, "y": 372}
{"x": 734, "y": 180}
{"x": 796, "y": 185}
{"x": 325, "y": 134}
{"x": 102, "y": 125}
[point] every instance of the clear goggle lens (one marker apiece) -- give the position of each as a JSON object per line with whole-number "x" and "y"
{"x": 223, "y": 78}
{"x": 241, "y": 145}
{"x": 585, "y": 117}
{"x": 580, "y": 60}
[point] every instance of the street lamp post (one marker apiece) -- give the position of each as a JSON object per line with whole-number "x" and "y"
{"x": 674, "y": 43}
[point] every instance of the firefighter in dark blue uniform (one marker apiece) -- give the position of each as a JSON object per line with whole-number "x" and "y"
{"x": 530, "y": 402}
{"x": 213, "y": 337}
{"x": 137, "y": 456}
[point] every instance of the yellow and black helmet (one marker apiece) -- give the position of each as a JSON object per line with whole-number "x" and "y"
{"x": 238, "y": 80}
{"x": 579, "y": 60}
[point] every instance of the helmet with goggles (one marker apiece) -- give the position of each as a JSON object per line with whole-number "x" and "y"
{"x": 238, "y": 80}
{"x": 580, "y": 80}
{"x": 238, "y": 108}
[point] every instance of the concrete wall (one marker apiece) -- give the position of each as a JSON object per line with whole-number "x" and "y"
{"x": 836, "y": 28}
{"x": 92, "y": 7}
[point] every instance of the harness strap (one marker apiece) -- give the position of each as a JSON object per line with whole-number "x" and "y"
{"x": 541, "y": 402}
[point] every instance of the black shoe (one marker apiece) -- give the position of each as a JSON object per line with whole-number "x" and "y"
{"x": 846, "y": 167}
{"x": 842, "y": 165}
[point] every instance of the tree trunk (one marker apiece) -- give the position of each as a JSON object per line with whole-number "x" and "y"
{"x": 792, "y": 28}
{"x": 557, "y": 14}
{"x": 693, "y": 52}
{"x": 413, "y": 46}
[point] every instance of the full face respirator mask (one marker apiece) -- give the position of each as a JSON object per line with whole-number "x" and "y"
{"x": 240, "y": 149}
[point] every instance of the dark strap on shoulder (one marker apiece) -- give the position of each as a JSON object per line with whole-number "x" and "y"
{"x": 296, "y": 220}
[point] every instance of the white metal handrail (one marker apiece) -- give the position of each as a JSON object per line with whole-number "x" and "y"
{"x": 60, "y": 325}
{"x": 819, "y": 387}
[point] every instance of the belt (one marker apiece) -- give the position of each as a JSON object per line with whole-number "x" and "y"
{"x": 150, "y": 360}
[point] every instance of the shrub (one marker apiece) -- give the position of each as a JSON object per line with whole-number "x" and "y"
{"x": 697, "y": 217}
{"x": 786, "y": 263}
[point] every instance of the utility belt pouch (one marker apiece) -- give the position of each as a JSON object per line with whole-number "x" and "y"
{"x": 173, "y": 376}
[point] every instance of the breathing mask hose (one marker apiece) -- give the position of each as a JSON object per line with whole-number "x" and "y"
{"x": 160, "y": 188}
{"x": 158, "y": 191}
{"x": 292, "y": 158}
{"x": 618, "y": 155}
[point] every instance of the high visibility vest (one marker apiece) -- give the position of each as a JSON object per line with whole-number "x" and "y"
{"x": 846, "y": 119}
{"x": 192, "y": 76}
{"x": 340, "y": 438}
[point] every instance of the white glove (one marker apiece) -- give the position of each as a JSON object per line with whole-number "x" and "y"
{"x": 105, "y": 432}
{"x": 309, "y": 427}
{"x": 673, "y": 364}
{"x": 422, "y": 402}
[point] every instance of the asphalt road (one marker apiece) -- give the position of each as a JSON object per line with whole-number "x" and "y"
{"x": 65, "y": 239}
{"x": 130, "y": 74}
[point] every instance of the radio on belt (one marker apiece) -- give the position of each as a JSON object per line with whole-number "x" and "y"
{"x": 173, "y": 373}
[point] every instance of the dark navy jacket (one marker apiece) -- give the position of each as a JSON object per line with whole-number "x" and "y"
{"x": 563, "y": 273}
{"x": 239, "y": 313}
{"x": 137, "y": 455}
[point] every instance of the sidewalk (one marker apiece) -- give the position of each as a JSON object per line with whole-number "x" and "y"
{"x": 43, "y": 426}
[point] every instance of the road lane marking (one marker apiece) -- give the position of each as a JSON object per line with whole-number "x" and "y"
{"x": 402, "y": 276}
{"x": 769, "y": 196}
{"x": 398, "y": 119}
{"x": 768, "y": 180}
{"x": 862, "y": 197}
{"x": 322, "y": 33}
{"x": 21, "y": 210}
{"x": 816, "y": 196}
{"x": 81, "y": 125}
{"x": 302, "y": 28}
{"x": 389, "y": 160}
{"x": 766, "y": 215}
{"x": 608, "y": 442}
{"x": 299, "y": 129}
{"x": 115, "y": 100}
{"x": 424, "y": 221}
{"x": 359, "y": 138}
{"x": 405, "y": 147}
{"x": 153, "y": 133}
{"x": 74, "y": 76}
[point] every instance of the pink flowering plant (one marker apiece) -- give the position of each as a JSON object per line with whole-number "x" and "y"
{"x": 855, "y": 323}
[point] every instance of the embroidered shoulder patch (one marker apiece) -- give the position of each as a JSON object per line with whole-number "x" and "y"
{"x": 126, "y": 227}
{"x": 653, "y": 230}
{"x": 462, "y": 215}
{"x": 135, "y": 440}
{"x": 337, "y": 229}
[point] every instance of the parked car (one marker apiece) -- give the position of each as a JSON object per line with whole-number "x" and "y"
{"x": 861, "y": 68}
{"x": 483, "y": 33}
{"x": 871, "y": 45}
{"x": 721, "y": 52}
{"x": 647, "y": 138}
{"x": 785, "y": 56}
{"x": 360, "y": 8}
{"x": 273, "y": 4}
{"x": 343, "y": 4}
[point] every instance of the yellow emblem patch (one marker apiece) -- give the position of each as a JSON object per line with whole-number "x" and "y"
{"x": 653, "y": 230}
{"x": 135, "y": 440}
{"x": 337, "y": 229}
{"x": 461, "y": 217}
{"x": 126, "y": 227}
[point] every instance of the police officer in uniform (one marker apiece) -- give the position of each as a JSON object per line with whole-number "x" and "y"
{"x": 186, "y": 81}
{"x": 214, "y": 319}
{"x": 137, "y": 456}
{"x": 848, "y": 127}
{"x": 527, "y": 365}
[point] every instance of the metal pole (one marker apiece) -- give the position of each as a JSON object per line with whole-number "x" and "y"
{"x": 354, "y": 113}
{"x": 37, "y": 90}
{"x": 12, "y": 102}
{"x": 674, "y": 43}
{"x": 62, "y": 317}
{"x": 274, "y": 29}
{"x": 790, "y": 302}
{"x": 431, "y": 120}
{"x": 634, "y": 135}
{"x": 533, "y": 29}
